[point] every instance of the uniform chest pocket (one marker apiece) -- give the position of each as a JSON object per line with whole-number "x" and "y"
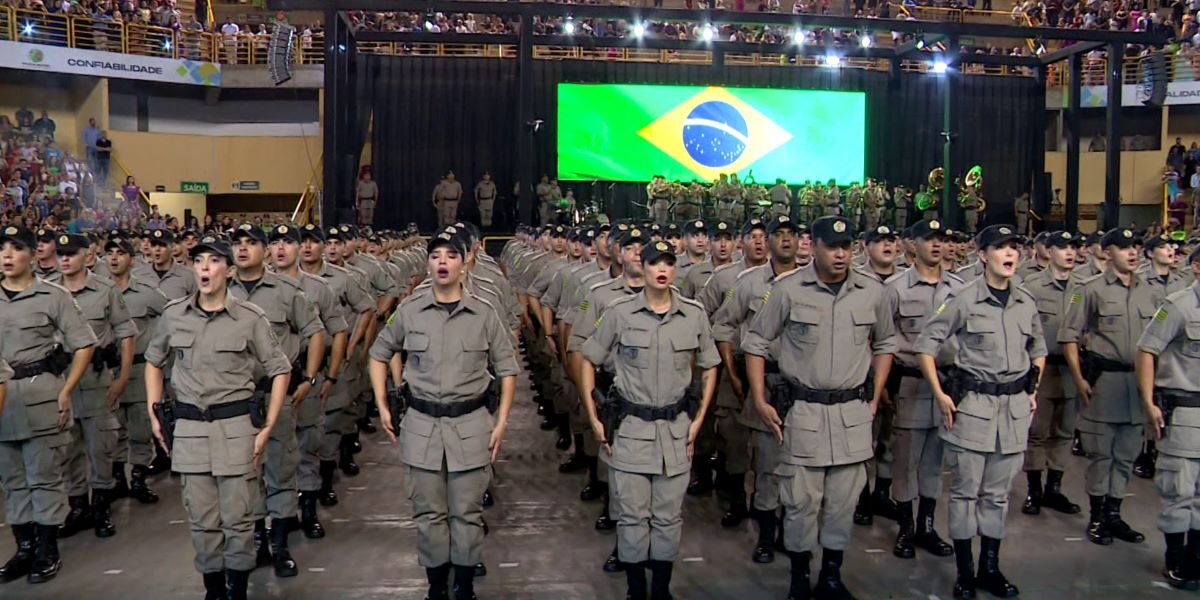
{"x": 182, "y": 347}
{"x": 474, "y": 354}
{"x": 1110, "y": 317}
{"x": 138, "y": 311}
{"x": 416, "y": 348}
{"x": 864, "y": 320}
{"x": 803, "y": 327}
{"x": 634, "y": 348}
{"x": 981, "y": 333}
{"x": 912, "y": 316}
{"x": 95, "y": 312}
{"x": 756, "y": 305}
{"x": 1191, "y": 346}
{"x": 685, "y": 347}
{"x": 1145, "y": 312}
{"x": 230, "y": 354}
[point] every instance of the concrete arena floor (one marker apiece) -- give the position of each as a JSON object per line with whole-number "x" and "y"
{"x": 542, "y": 545}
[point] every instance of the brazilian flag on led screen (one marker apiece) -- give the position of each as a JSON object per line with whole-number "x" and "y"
{"x": 685, "y": 133}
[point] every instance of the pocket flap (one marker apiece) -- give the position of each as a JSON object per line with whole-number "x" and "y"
{"x": 856, "y": 413}
{"x": 637, "y": 429}
{"x": 804, "y": 422}
{"x": 683, "y": 342}
{"x": 138, "y": 311}
{"x": 475, "y": 344}
{"x": 1110, "y": 309}
{"x": 231, "y": 344}
{"x": 801, "y": 314}
{"x": 635, "y": 338}
{"x": 35, "y": 320}
{"x": 1193, "y": 330}
{"x": 980, "y": 324}
{"x": 1146, "y": 311}
{"x": 976, "y": 407}
{"x": 416, "y": 341}
{"x": 417, "y": 425}
{"x": 679, "y": 427}
{"x": 912, "y": 308}
{"x": 238, "y": 428}
{"x": 1018, "y": 406}
{"x": 473, "y": 425}
{"x": 1185, "y": 418}
{"x": 182, "y": 339}
{"x": 863, "y": 316}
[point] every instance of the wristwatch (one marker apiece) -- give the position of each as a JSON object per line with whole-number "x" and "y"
{"x": 312, "y": 381}
{"x": 331, "y": 379}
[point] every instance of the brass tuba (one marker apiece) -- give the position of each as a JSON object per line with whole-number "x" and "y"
{"x": 937, "y": 179}
{"x": 969, "y": 189}
{"x": 929, "y": 199}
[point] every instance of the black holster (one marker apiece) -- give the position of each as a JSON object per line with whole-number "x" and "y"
{"x": 258, "y": 402}
{"x": 59, "y": 360}
{"x": 398, "y": 401}
{"x": 164, "y": 411}
{"x": 951, "y": 380}
{"x": 1031, "y": 379}
{"x": 107, "y": 357}
{"x": 779, "y": 396}
{"x": 1090, "y": 368}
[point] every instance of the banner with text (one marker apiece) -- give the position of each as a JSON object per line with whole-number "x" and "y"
{"x": 56, "y": 59}
{"x": 1096, "y": 96}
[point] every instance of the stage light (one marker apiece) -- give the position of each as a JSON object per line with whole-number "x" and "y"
{"x": 939, "y": 66}
{"x": 708, "y": 33}
{"x": 1041, "y": 49}
{"x": 833, "y": 61}
{"x": 167, "y": 45}
{"x": 799, "y": 37}
{"x": 865, "y": 40}
{"x": 428, "y": 26}
{"x": 569, "y": 27}
{"x": 921, "y": 43}
{"x": 639, "y": 30}
{"x": 27, "y": 29}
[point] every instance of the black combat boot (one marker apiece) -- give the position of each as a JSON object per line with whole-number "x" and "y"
{"x": 882, "y": 504}
{"x": 309, "y": 521}
{"x": 798, "y": 588}
{"x": 702, "y": 477}
{"x": 927, "y": 538}
{"x": 829, "y": 581}
{"x": 122, "y": 488}
{"x": 464, "y": 582}
{"x": 1033, "y": 498}
{"x": 735, "y": 489}
{"x": 1143, "y": 465}
{"x": 578, "y": 461}
{"x": 346, "y": 455}
{"x": 1054, "y": 499}
{"x": 635, "y": 580}
{"x": 1191, "y": 559}
{"x": 326, "y": 495}
{"x": 594, "y": 489}
{"x": 236, "y": 583}
{"x": 964, "y": 561}
{"x": 1175, "y": 569}
{"x": 22, "y": 561}
{"x": 79, "y": 518}
{"x": 563, "y": 423}
{"x": 660, "y": 579}
{"x": 1117, "y": 526}
{"x": 161, "y": 463}
{"x": 285, "y": 565}
{"x": 1077, "y": 445}
{"x": 764, "y": 550}
{"x": 439, "y": 584}
{"x": 612, "y": 564}
{"x": 862, "y": 510}
{"x": 138, "y": 488}
{"x": 904, "y": 547}
{"x": 365, "y": 426}
{"x": 46, "y": 562}
{"x": 262, "y": 546}
{"x": 605, "y": 522}
{"x": 489, "y": 498}
{"x": 1097, "y": 529}
{"x": 989, "y": 576}
{"x": 214, "y": 586}
{"x": 101, "y": 514}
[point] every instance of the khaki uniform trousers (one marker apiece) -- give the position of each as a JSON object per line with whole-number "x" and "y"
{"x": 979, "y": 490}
{"x": 447, "y": 212}
{"x": 135, "y": 438}
{"x": 819, "y": 505}
{"x": 278, "y": 497}
{"x": 486, "y": 208}
{"x": 448, "y": 511}
{"x": 221, "y": 517}
{"x": 649, "y": 512}
{"x": 90, "y": 454}
{"x": 32, "y": 477}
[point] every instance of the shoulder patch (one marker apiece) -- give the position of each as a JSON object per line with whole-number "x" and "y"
{"x": 1077, "y": 297}
{"x": 1161, "y": 314}
{"x": 583, "y": 306}
{"x": 941, "y": 309}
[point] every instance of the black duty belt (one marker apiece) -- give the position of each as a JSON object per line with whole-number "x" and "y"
{"x": 107, "y": 357}
{"x": 803, "y": 394}
{"x": 139, "y": 359}
{"x": 1109, "y": 365}
{"x": 438, "y": 410}
{"x": 216, "y": 412}
{"x": 1175, "y": 398}
{"x": 56, "y": 363}
{"x": 657, "y": 413}
{"x": 992, "y": 388}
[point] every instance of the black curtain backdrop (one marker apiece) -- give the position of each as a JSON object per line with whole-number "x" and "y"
{"x": 434, "y": 114}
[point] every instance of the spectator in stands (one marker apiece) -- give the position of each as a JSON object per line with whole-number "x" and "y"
{"x": 91, "y": 133}
{"x": 191, "y": 36}
{"x": 24, "y": 120}
{"x": 103, "y": 156}
{"x": 130, "y": 190}
{"x": 44, "y": 126}
{"x": 229, "y": 40}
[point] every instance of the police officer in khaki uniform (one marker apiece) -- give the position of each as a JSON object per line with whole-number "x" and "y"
{"x": 730, "y": 322}
{"x": 220, "y": 345}
{"x": 47, "y": 260}
{"x": 485, "y": 199}
{"x": 1167, "y": 359}
{"x": 293, "y": 318}
{"x": 286, "y": 241}
{"x": 653, "y": 340}
{"x": 34, "y": 316}
{"x": 986, "y": 420}
{"x": 173, "y": 279}
{"x": 446, "y": 195}
{"x": 1054, "y": 420}
{"x": 910, "y": 299}
{"x": 1107, "y": 315}
{"x": 93, "y": 446}
{"x": 831, "y": 334}
{"x": 449, "y": 338}
{"x": 135, "y": 441}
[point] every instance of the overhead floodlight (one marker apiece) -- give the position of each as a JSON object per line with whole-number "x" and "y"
{"x": 708, "y": 33}
{"x": 27, "y": 29}
{"x": 865, "y": 40}
{"x": 833, "y": 61}
{"x": 639, "y": 30}
{"x": 799, "y": 37}
{"x": 921, "y": 43}
{"x": 167, "y": 45}
{"x": 569, "y": 27}
{"x": 939, "y": 66}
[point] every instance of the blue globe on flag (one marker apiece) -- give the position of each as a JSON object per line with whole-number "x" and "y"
{"x": 715, "y": 134}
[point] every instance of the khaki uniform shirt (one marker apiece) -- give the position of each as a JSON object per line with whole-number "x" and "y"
{"x": 380, "y": 284}
{"x": 1173, "y": 335}
{"x": 546, "y": 275}
{"x": 1175, "y": 281}
{"x": 578, "y": 306}
{"x": 145, "y": 304}
{"x": 996, "y": 344}
{"x": 560, "y": 286}
{"x": 174, "y": 283}
{"x": 826, "y": 342}
{"x": 733, "y": 318}
{"x": 448, "y": 190}
{"x": 106, "y": 313}
{"x": 292, "y": 315}
{"x": 447, "y": 360}
{"x": 31, "y": 324}
{"x": 652, "y": 356}
{"x": 716, "y": 288}
{"x": 217, "y": 359}
{"x": 599, "y": 297}
{"x": 485, "y": 190}
{"x": 329, "y": 309}
{"x": 693, "y": 281}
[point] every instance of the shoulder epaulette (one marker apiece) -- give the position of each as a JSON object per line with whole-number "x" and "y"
{"x": 179, "y": 300}
{"x": 743, "y": 272}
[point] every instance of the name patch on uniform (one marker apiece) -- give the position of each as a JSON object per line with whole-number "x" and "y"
{"x": 1161, "y": 315}
{"x": 1077, "y": 297}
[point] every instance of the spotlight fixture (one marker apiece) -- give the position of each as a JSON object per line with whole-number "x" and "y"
{"x": 639, "y": 30}
{"x": 920, "y": 42}
{"x": 939, "y": 66}
{"x": 799, "y": 37}
{"x": 833, "y": 61}
{"x": 167, "y": 45}
{"x": 708, "y": 33}
{"x": 865, "y": 40}
{"x": 27, "y": 29}
{"x": 569, "y": 27}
